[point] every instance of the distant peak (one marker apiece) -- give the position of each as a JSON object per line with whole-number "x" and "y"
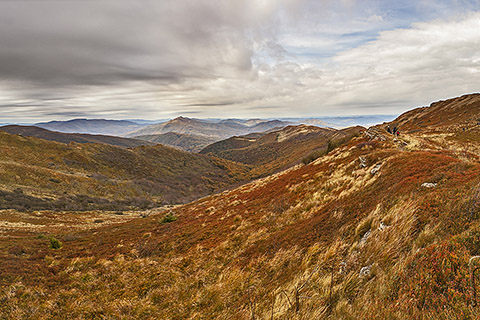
{"x": 181, "y": 118}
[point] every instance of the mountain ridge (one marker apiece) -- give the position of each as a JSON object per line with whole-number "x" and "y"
{"x": 45, "y": 134}
{"x": 186, "y": 142}
{"x": 92, "y": 126}
{"x": 219, "y": 130}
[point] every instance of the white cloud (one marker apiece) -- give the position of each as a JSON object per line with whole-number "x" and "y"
{"x": 375, "y": 18}
{"x": 228, "y": 58}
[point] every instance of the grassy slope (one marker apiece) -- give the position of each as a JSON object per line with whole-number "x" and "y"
{"x": 237, "y": 250}
{"x": 279, "y": 149}
{"x": 186, "y": 142}
{"x": 47, "y": 169}
{"x": 310, "y": 229}
{"x": 45, "y": 134}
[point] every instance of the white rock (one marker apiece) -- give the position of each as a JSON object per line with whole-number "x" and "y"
{"x": 429, "y": 185}
{"x": 365, "y": 271}
{"x": 365, "y": 237}
{"x": 375, "y": 169}
{"x": 382, "y": 226}
{"x": 363, "y": 162}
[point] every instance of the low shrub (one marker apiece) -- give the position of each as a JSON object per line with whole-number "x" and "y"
{"x": 55, "y": 243}
{"x": 313, "y": 156}
{"x": 437, "y": 276}
{"x": 169, "y": 217}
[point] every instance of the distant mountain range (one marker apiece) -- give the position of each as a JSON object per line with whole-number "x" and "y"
{"x": 32, "y": 131}
{"x": 92, "y": 126}
{"x": 343, "y": 121}
{"x": 218, "y": 130}
{"x": 214, "y": 128}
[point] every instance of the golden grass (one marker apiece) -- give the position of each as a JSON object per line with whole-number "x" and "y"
{"x": 305, "y": 233}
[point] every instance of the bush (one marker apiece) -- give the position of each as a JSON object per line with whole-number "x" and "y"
{"x": 436, "y": 277}
{"x": 169, "y": 217}
{"x": 313, "y": 156}
{"x": 55, "y": 243}
{"x": 363, "y": 227}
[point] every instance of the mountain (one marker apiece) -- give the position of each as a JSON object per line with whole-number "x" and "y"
{"x": 452, "y": 115}
{"x": 92, "y": 126}
{"x": 45, "y": 134}
{"x": 217, "y": 130}
{"x": 57, "y": 175}
{"x": 381, "y": 227}
{"x": 186, "y": 142}
{"x": 279, "y": 149}
{"x": 340, "y": 122}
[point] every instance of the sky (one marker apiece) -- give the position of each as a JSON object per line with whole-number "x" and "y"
{"x": 158, "y": 59}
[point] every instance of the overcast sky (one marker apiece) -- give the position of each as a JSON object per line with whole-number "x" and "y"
{"x": 160, "y": 59}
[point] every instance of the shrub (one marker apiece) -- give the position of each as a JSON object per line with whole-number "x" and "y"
{"x": 55, "y": 243}
{"x": 169, "y": 217}
{"x": 313, "y": 156}
{"x": 363, "y": 227}
{"x": 436, "y": 277}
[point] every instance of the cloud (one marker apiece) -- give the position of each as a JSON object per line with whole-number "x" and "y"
{"x": 154, "y": 59}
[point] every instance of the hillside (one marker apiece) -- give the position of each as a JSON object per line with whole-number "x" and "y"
{"x": 381, "y": 227}
{"x": 186, "y": 142}
{"x": 279, "y": 149}
{"x": 212, "y": 129}
{"x": 45, "y": 174}
{"x": 450, "y": 115}
{"x": 450, "y": 124}
{"x": 45, "y": 134}
{"x": 92, "y": 126}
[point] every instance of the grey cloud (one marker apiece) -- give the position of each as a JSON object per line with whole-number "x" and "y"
{"x": 209, "y": 104}
{"x": 68, "y": 114}
{"x": 265, "y": 107}
{"x": 155, "y": 58}
{"x": 105, "y": 42}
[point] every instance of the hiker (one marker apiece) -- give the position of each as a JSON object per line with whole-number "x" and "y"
{"x": 394, "y": 130}
{"x": 398, "y": 132}
{"x": 389, "y": 130}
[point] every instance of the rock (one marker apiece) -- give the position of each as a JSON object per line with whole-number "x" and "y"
{"x": 365, "y": 237}
{"x": 375, "y": 169}
{"x": 429, "y": 185}
{"x": 382, "y": 226}
{"x": 365, "y": 271}
{"x": 363, "y": 162}
{"x": 373, "y": 134}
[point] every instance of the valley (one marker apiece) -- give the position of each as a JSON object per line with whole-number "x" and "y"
{"x": 298, "y": 222}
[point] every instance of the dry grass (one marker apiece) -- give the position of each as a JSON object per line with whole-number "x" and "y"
{"x": 347, "y": 243}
